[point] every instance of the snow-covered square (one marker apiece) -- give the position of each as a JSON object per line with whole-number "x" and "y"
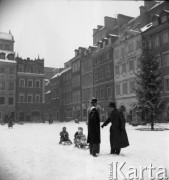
{"x": 32, "y": 152}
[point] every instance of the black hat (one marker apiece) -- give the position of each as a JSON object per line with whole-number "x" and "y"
{"x": 112, "y": 104}
{"x": 93, "y": 100}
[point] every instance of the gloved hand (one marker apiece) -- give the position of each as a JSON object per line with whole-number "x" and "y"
{"x": 102, "y": 126}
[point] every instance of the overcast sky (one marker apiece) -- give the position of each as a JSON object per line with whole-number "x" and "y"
{"x": 55, "y": 28}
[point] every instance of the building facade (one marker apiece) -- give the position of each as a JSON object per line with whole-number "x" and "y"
{"x": 30, "y": 89}
{"x": 87, "y": 79}
{"x": 127, "y": 51}
{"x": 103, "y": 74}
{"x": 7, "y": 76}
{"x": 156, "y": 36}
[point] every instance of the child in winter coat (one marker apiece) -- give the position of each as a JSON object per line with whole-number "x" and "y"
{"x": 64, "y": 136}
{"x": 80, "y": 138}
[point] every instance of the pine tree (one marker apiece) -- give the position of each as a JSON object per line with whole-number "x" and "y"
{"x": 149, "y": 86}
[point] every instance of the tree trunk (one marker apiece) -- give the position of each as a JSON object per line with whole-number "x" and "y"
{"x": 152, "y": 122}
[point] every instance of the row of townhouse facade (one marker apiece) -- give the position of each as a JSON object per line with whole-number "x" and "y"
{"x": 21, "y": 83}
{"x": 106, "y": 70}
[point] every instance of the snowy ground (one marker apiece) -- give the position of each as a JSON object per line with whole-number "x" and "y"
{"x": 32, "y": 152}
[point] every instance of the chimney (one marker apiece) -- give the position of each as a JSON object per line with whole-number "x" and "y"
{"x": 149, "y": 4}
{"x": 110, "y": 22}
{"x": 76, "y": 52}
{"x": 142, "y": 10}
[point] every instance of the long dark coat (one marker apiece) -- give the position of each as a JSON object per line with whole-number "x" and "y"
{"x": 93, "y": 126}
{"x": 118, "y": 133}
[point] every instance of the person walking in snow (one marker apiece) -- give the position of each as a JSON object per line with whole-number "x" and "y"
{"x": 118, "y": 135}
{"x": 94, "y": 129}
{"x": 11, "y": 119}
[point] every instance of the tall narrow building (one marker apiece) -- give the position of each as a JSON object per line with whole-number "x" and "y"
{"x": 7, "y": 76}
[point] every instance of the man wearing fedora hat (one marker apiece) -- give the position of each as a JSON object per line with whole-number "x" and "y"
{"x": 93, "y": 128}
{"x": 118, "y": 135}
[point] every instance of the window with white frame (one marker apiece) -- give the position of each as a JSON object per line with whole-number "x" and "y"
{"x": 21, "y": 68}
{"x": 21, "y": 83}
{"x": 30, "y": 83}
{"x": 2, "y": 85}
{"x": 117, "y": 70}
{"x": 11, "y": 70}
{"x": 165, "y": 36}
{"x": 11, "y": 86}
{"x": 108, "y": 91}
{"x": 29, "y": 98}
{"x": 37, "y": 83}
{"x": 37, "y": 98}
{"x": 124, "y": 68}
{"x": 166, "y": 84}
{"x": 117, "y": 89}
{"x": 131, "y": 64}
{"x": 132, "y": 87}
{"x": 165, "y": 58}
{"x": 107, "y": 71}
{"x": 124, "y": 87}
{"x": 21, "y": 97}
{"x": 2, "y": 70}
{"x": 156, "y": 41}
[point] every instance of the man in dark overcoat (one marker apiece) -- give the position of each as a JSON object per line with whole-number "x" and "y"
{"x": 118, "y": 135}
{"x": 93, "y": 129}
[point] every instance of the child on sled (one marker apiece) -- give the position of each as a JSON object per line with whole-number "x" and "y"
{"x": 64, "y": 137}
{"x": 80, "y": 138}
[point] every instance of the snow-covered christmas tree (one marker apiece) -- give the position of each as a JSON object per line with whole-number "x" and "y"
{"x": 149, "y": 86}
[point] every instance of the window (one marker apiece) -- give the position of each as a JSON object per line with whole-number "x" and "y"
{"x": 163, "y": 18}
{"x": 21, "y": 68}
{"x": 35, "y": 69}
{"x": 155, "y": 22}
{"x": 132, "y": 87}
{"x": 2, "y": 85}
{"x": 124, "y": 87}
{"x": 21, "y": 83}
{"x": 107, "y": 71}
{"x": 7, "y": 47}
{"x": 2, "y": 70}
{"x": 11, "y": 71}
{"x": 95, "y": 75}
{"x": 101, "y": 93}
{"x": 37, "y": 83}
{"x": 165, "y": 36}
{"x": 2, "y": 55}
{"x": 117, "y": 89}
{"x": 117, "y": 70}
{"x": 30, "y": 83}
{"x": 108, "y": 91}
{"x": 21, "y": 97}
{"x": 131, "y": 65}
{"x": 37, "y": 98}
{"x": 28, "y": 69}
{"x": 165, "y": 58}
{"x": 124, "y": 69}
{"x": 10, "y": 100}
{"x": 156, "y": 41}
{"x": 30, "y": 98}
{"x": 2, "y": 100}
{"x": 11, "y": 86}
{"x": 166, "y": 84}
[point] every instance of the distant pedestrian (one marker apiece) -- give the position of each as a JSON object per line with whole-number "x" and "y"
{"x": 93, "y": 128}
{"x": 118, "y": 135}
{"x": 11, "y": 119}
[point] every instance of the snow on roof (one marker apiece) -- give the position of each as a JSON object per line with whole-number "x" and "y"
{"x": 6, "y": 36}
{"x": 157, "y": 4}
{"x": 48, "y": 92}
{"x": 146, "y": 27}
{"x": 65, "y": 70}
{"x": 8, "y": 61}
{"x": 56, "y": 75}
